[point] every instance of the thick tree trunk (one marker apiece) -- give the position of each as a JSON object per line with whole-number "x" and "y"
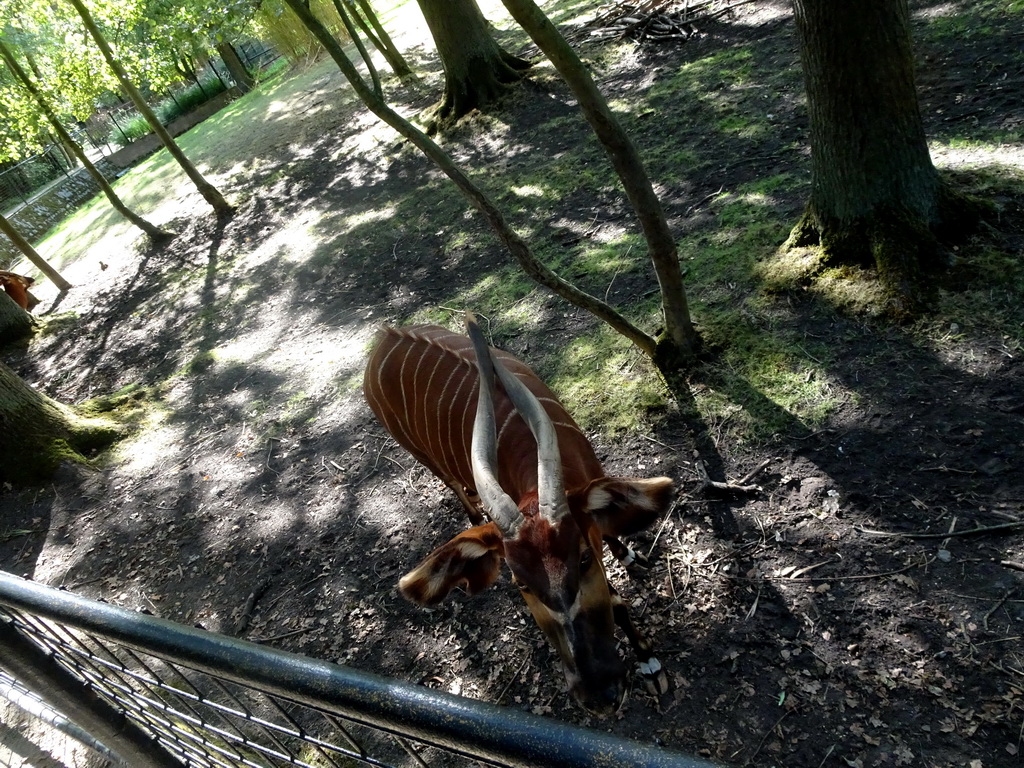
{"x": 477, "y": 71}
{"x": 876, "y": 198}
{"x": 38, "y": 433}
{"x": 243, "y": 80}
{"x": 15, "y": 322}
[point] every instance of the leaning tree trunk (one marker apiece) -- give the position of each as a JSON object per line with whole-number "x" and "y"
{"x": 38, "y": 433}
{"x": 516, "y": 245}
{"x": 680, "y": 343}
{"x": 32, "y": 255}
{"x": 876, "y": 198}
{"x": 243, "y": 80}
{"x": 369, "y": 22}
{"x": 206, "y": 189}
{"x": 477, "y": 71}
{"x": 44, "y": 105}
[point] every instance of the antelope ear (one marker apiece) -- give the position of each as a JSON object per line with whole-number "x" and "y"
{"x": 621, "y": 506}
{"x": 471, "y": 561}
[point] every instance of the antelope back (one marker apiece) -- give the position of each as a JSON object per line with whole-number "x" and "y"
{"x": 16, "y": 287}
{"x": 421, "y": 382}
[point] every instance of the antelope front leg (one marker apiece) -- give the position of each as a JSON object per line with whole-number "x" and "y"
{"x": 635, "y": 563}
{"x": 650, "y": 668}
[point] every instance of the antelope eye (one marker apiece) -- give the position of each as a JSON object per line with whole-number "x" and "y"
{"x": 522, "y": 587}
{"x": 586, "y": 560}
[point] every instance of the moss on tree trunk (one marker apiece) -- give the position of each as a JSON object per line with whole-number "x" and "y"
{"x": 37, "y": 433}
{"x": 876, "y": 198}
{"x": 477, "y": 71}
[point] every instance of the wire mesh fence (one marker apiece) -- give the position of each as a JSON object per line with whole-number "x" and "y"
{"x": 171, "y": 695}
{"x": 20, "y": 181}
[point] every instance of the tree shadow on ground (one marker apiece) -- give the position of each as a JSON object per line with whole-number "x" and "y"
{"x": 788, "y": 631}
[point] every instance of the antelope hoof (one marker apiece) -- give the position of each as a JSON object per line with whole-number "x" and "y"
{"x": 654, "y": 676}
{"x": 639, "y": 566}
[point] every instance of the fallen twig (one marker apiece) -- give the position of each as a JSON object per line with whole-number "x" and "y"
{"x": 1012, "y": 565}
{"x": 282, "y": 636}
{"x": 980, "y": 531}
{"x": 706, "y": 482}
{"x": 767, "y": 733}
{"x": 858, "y": 577}
{"x": 754, "y": 472}
{"x": 996, "y": 607}
{"x": 245, "y": 615}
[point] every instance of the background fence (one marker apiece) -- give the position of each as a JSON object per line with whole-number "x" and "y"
{"x": 19, "y": 181}
{"x": 162, "y": 694}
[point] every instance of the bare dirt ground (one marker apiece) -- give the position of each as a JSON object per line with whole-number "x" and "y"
{"x": 842, "y": 616}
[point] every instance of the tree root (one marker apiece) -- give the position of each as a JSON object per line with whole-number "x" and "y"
{"x": 487, "y": 84}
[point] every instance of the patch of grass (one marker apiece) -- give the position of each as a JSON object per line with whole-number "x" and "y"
{"x": 129, "y": 406}
{"x": 51, "y": 325}
{"x": 606, "y": 383}
{"x": 504, "y": 287}
{"x": 765, "y": 381}
{"x": 199, "y": 363}
{"x": 625, "y": 253}
{"x": 751, "y": 223}
{"x": 15, "y": 533}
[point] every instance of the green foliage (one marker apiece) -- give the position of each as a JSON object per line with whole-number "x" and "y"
{"x": 276, "y": 22}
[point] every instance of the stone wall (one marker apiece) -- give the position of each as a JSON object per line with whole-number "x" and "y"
{"x": 49, "y": 208}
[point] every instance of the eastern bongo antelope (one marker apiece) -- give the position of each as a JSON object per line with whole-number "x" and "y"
{"x": 508, "y": 449}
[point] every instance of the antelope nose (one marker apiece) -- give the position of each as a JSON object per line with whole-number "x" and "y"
{"x": 604, "y": 702}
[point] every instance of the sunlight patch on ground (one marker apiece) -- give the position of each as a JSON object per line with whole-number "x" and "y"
{"x": 348, "y": 223}
{"x": 960, "y": 153}
{"x": 529, "y": 190}
{"x": 306, "y": 355}
{"x": 157, "y": 444}
{"x": 295, "y": 242}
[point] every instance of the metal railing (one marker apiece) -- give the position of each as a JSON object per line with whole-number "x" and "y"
{"x": 159, "y": 693}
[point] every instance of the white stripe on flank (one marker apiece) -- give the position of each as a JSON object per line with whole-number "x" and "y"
{"x": 384, "y": 407}
{"x": 451, "y": 414}
{"x": 426, "y": 390}
{"x": 508, "y": 420}
{"x": 416, "y": 422}
{"x": 441, "y": 400}
{"x": 402, "y": 379}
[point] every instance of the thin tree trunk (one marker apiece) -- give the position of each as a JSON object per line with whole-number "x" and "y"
{"x": 681, "y": 343}
{"x": 153, "y": 231}
{"x": 30, "y": 253}
{"x": 380, "y": 38}
{"x": 346, "y": 19}
{"x": 207, "y": 190}
{"x": 515, "y": 244}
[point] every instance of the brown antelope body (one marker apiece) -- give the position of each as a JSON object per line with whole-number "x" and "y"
{"x": 16, "y": 286}
{"x": 509, "y": 446}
